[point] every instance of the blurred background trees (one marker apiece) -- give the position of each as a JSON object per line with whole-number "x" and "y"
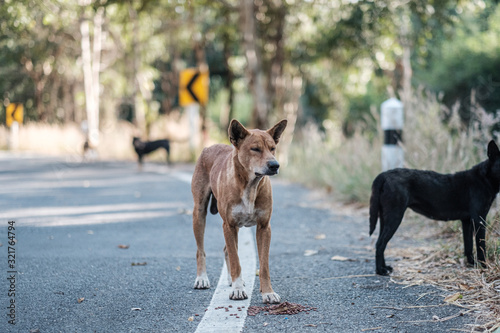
{"x": 329, "y": 62}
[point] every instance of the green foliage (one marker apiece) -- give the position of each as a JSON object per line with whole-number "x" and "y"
{"x": 349, "y": 55}
{"x": 465, "y": 67}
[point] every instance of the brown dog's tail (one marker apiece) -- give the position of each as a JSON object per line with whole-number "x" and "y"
{"x": 213, "y": 204}
{"x": 375, "y": 202}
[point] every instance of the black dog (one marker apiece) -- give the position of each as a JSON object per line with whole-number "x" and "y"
{"x": 465, "y": 196}
{"x": 145, "y": 147}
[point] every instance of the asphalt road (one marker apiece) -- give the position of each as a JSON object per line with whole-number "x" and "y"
{"x": 70, "y": 274}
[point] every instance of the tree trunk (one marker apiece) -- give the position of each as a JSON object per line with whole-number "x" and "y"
{"x": 199, "y": 49}
{"x": 96, "y": 61}
{"x": 277, "y": 81}
{"x": 91, "y": 66}
{"x": 227, "y": 113}
{"x": 405, "y": 41}
{"x": 254, "y": 71}
{"x": 55, "y": 87}
{"x": 139, "y": 111}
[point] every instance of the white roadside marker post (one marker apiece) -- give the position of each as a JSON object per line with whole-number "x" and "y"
{"x": 392, "y": 124}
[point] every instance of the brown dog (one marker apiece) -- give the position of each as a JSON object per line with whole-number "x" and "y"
{"x": 236, "y": 178}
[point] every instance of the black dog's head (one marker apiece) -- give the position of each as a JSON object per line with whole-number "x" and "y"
{"x": 138, "y": 144}
{"x": 494, "y": 160}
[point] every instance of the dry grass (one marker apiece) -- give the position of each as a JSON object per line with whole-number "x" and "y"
{"x": 443, "y": 266}
{"x": 345, "y": 167}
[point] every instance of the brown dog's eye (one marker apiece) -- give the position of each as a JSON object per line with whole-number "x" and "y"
{"x": 272, "y": 149}
{"x": 257, "y": 150}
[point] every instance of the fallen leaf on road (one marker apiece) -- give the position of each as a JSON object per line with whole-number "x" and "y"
{"x": 320, "y": 236}
{"x": 452, "y": 298}
{"x": 340, "y": 258}
{"x": 81, "y": 299}
{"x": 308, "y": 253}
{"x": 139, "y": 263}
{"x": 436, "y": 318}
{"x": 121, "y": 246}
{"x": 178, "y": 268}
{"x": 265, "y": 324}
{"x": 190, "y": 318}
{"x": 464, "y": 286}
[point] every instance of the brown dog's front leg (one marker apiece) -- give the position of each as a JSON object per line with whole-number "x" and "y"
{"x": 231, "y": 237}
{"x": 263, "y": 235}
{"x": 199, "y": 221}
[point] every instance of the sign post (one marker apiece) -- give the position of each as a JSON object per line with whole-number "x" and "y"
{"x": 392, "y": 124}
{"x": 193, "y": 87}
{"x": 14, "y": 115}
{"x": 193, "y": 92}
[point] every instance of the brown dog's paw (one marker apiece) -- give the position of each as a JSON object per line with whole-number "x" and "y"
{"x": 202, "y": 282}
{"x": 271, "y": 298}
{"x": 238, "y": 294}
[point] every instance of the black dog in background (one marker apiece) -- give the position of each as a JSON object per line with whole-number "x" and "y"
{"x": 145, "y": 147}
{"x": 465, "y": 196}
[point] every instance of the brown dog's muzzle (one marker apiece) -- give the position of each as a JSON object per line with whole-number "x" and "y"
{"x": 272, "y": 167}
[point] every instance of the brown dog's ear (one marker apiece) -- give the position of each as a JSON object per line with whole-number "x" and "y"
{"x": 237, "y": 132}
{"x": 493, "y": 152}
{"x": 277, "y": 130}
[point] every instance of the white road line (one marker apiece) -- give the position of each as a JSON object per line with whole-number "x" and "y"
{"x": 183, "y": 176}
{"x": 218, "y": 320}
{"x": 90, "y": 209}
{"x": 93, "y": 214}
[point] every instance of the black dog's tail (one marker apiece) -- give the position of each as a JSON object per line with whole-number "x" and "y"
{"x": 375, "y": 202}
{"x": 213, "y": 204}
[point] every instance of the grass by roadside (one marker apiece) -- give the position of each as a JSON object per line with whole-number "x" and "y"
{"x": 434, "y": 139}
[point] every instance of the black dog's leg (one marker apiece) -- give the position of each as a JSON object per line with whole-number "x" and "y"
{"x": 380, "y": 267}
{"x": 389, "y": 224}
{"x": 167, "y": 149}
{"x": 480, "y": 232}
{"x": 467, "y": 231}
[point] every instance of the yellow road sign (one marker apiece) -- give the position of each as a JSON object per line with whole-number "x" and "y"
{"x": 193, "y": 87}
{"x": 14, "y": 112}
